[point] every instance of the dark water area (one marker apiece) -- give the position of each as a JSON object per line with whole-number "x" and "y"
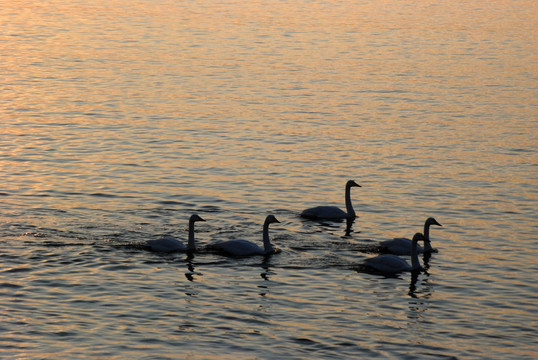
{"x": 119, "y": 120}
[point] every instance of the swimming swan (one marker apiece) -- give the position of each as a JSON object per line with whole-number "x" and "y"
{"x": 247, "y": 248}
{"x": 333, "y": 212}
{"x": 391, "y": 264}
{"x": 402, "y": 246}
{"x": 170, "y": 244}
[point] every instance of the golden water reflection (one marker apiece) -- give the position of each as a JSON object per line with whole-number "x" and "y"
{"x": 121, "y": 115}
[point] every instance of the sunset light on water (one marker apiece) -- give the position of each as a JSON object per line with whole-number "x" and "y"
{"x": 119, "y": 120}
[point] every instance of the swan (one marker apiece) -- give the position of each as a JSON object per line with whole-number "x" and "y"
{"x": 247, "y": 248}
{"x": 171, "y": 244}
{"x": 391, "y": 264}
{"x": 333, "y": 212}
{"x": 402, "y": 246}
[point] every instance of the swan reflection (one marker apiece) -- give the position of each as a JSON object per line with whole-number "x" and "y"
{"x": 190, "y": 274}
{"x": 424, "y": 291}
{"x": 426, "y": 260}
{"x": 349, "y": 226}
{"x": 413, "y": 284}
{"x": 265, "y": 275}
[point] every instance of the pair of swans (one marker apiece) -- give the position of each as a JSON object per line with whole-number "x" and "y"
{"x": 391, "y": 263}
{"x": 231, "y": 247}
{"x": 402, "y": 246}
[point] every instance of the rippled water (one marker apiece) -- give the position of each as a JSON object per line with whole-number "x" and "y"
{"x": 122, "y": 118}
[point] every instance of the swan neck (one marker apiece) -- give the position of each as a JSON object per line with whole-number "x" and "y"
{"x": 415, "y": 264}
{"x": 190, "y": 244}
{"x": 266, "y": 242}
{"x": 428, "y": 246}
{"x": 349, "y": 206}
{"x": 427, "y": 231}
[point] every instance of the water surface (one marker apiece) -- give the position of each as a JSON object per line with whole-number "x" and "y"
{"x": 121, "y": 119}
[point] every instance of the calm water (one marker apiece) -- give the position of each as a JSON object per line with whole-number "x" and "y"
{"x": 119, "y": 119}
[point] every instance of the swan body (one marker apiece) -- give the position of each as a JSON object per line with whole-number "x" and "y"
{"x": 333, "y": 212}
{"x": 399, "y": 246}
{"x": 391, "y": 264}
{"x": 166, "y": 244}
{"x": 247, "y": 248}
{"x": 171, "y": 244}
{"x": 402, "y": 246}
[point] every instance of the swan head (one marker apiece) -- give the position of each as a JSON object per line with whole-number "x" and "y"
{"x": 418, "y": 236}
{"x": 195, "y": 217}
{"x": 351, "y": 183}
{"x": 432, "y": 221}
{"x": 271, "y": 219}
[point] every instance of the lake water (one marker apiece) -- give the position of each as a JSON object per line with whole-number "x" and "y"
{"x": 120, "y": 119}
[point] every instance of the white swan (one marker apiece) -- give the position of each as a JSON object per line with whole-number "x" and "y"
{"x": 333, "y": 212}
{"x": 247, "y": 248}
{"x": 391, "y": 264}
{"x": 171, "y": 244}
{"x": 402, "y": 246}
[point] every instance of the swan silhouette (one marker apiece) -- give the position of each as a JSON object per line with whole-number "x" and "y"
{"x": 333, "y": 212}
{"x": 247, "y": 248}
{"x": 402, "y": 246}
{"x": 171, "y": 244}
{"x": 391, "y": 264}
